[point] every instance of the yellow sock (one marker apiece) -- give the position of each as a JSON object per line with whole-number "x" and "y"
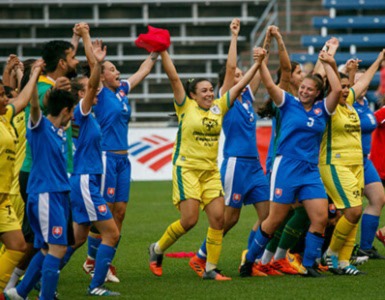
{"x": 214, "y": 247}
{"x": 347, "y": 249}
{"x": 340, "y": 234}
{"x": 170, "y": 236}
{"x": 8, "y": 261}
{"x": 2, "y": 250}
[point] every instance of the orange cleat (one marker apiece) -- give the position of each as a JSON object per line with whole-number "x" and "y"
{"x": 155, "y": 261}
{"x": 198, "y": 265}
{"x": 283, "y": 265}
{"x": 214, "y": 275}
{"x": 267, "y": 269}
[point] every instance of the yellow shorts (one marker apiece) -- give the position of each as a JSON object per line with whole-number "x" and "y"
{"x": 203, "y": 185}
{"x": 344, "y": 184}
{"x": 18, "y": 206}
{"x": 8, "y": 218}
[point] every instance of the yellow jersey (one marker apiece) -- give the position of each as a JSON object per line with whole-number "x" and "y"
{"x": 341, "y": 142}
{"x": 8, "y": 142}
{"x": 198, "y": 134}
{"x": 19, "y": 125}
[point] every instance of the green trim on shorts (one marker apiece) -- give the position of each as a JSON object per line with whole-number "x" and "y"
{"x": 180, "y": 183}
{"x": 338, "y": 186}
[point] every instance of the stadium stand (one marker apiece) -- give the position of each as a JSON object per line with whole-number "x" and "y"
{"x": 199, "y": 31}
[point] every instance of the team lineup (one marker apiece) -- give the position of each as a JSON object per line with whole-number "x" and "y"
{"x": 65, "y": 169}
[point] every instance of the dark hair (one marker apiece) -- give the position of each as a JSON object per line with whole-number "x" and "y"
{"x": 53, "y": 51}
{"x": 191, "y": 84}
{"x": 59, "y": 99}
{"x": 343, "y": 75}
{"x": 76, "y": 86}
{"x": 293, "y": 64}
{"x": 27, "y": 72}
{"x": 85, "y": 69}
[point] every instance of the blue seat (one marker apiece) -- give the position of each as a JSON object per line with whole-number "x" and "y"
{"x": 354, "y": 4}
{"x": 347, "y": 22}
{"x": 346, "y": 40}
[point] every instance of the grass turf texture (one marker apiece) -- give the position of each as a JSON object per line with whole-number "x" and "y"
{"x": 150, "y": 211}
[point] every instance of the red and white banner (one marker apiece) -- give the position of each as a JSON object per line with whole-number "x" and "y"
{"x": 151, "y": 151}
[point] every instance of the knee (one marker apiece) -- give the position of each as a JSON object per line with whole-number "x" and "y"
{"x": 353, "y": 214}
{"x": 189, "y": 223}
{"x": 119, "y": 215}
{"x": 270, "y": 225}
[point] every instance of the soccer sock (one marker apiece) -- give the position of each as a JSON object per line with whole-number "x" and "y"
{"x": 93, "y": 245}
{"x": 313, "y": 248}
{"x": 293, "y": 230}
{"x": 170, "y": 236}
{"x": 102, "y": 263}
{"x": 369, "y": 225}
{"x": 341, "y": 231}
{"x": 251, "y": 237}
{"x": 67, "y": 257}
{"x": 202, "y": 252}
{"x": 259, "y": 243}
{"x": 346, "y": 251}
{"x": 214, "y": 247}
{"x": 8, "y": 261}
{"x": 16, "y": 274}
{"x": 49, "y": 277}
{"x": 32, "y": 275}
{"x": 267, "y": 256}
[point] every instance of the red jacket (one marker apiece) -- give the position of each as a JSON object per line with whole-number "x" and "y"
{"x": 377, "y": 153}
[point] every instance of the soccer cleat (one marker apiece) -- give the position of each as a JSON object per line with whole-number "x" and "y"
{"x": 111, "y": 275}
{"x": 214, "y": 275}
{"x": 155, "y": 261}
{"x": 295, "y": 262}
{"x": 351, "y": 270}
{"x": 246, "y": 267}
{"x": 89, "y": 266}
{"x": 268, "y": 269}
{"x": 101, "y": 291}
{"x": 312, "y": 272}
{"x": 358, "y": 260}
{"x": 198, "y": 265}
{"x": 380, "y": 237}
{"x": 331, "y": 261}
{"x": 12, "y": 294}
{"x": 372, "y": 253}
{"x": 283, "y": 266}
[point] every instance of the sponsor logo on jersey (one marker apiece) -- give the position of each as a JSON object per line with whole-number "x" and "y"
{"x": 278, "y": 192}
{"x": 102, "y": 209}
{"x": 237, "y": 197}
{"x": 209, "y": 123}
{"x": 111, "y": 192}
{"x": 57, "y": 231}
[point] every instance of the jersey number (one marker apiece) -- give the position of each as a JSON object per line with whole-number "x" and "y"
{"x": 310, "y": 123}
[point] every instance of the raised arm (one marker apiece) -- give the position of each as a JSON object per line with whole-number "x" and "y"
{"x": 333, "y": 97}
{"x": 330, "y": 47}
{"x": 83, "y": 30}
{"x": 362, "y": 84}
{"x": 144, "y": 70}
{"x": 231, "y": 63}
{"x": 75, "y": 37}
{"x": 351, "y": 68}
{"x": 258, "y": 56}
{"x": 12, "y": 61}
{"x": 176, "y": 83}
{"x": 99, "y": 53}
{"x": 275, "y": 92}
{"x": 21, "y": 101}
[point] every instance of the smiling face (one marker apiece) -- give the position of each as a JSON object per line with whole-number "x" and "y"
{"x": 308, "y": 91}
{"x": 110, "y": 76}
{"x": 345, "y": 85}
{"x": 203, "y": 94}
{"x": 3, "y": 101}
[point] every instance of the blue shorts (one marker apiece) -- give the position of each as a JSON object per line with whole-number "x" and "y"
{"x": 116, "y": 177}
{"x": 293, "y": 179}
{"x": 370, "y": 172}
{"x": 243, "y": 181}
{"x": 49, "y": 214}
{"x": 87, "y": 203}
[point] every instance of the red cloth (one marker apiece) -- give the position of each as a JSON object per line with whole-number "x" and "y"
{"x": 155, "y": 40}
{"x": 377, "y": 153}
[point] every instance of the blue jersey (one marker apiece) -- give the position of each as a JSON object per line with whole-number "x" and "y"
{"x": 275, "y": 130}
{"x": 87, "y": 138}
{"x": 113, "y": 113}
{"x": 368, "y": 124}
{"x": 239, "y": 127}
{"x": 48, "y": 148}
{"x": 301, "y": 131}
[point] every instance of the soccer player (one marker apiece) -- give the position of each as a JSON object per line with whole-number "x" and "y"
{"x": 303, "y": 122}
{"x": 341, "y": 167}
{"x": 10, "y": 230}
{"x": 196, "y": 178}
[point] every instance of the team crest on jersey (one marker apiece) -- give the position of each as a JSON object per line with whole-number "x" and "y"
{"x": 57, "y": 231}
{"x": 102, "y": 209}
{"x": 209, "y": 123}
{"x": 278, "y": 192}
{"x": 111, "y": 192}
{"x": 122, "y": 93}
{"x": 237, "y": 197}
{"x": 215, "y": 109}
{"x": 318, "y": 111}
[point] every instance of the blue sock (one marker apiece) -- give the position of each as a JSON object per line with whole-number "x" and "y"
{"x": 103, "y": 260}
{"x": 49, "y": 277}
{"x": 93, "y": 245}
{"x": 313, "y": 248}
{"x": 369, "y": 225}
{"x": 67, "y": 257}
{"x": 257, "y": 246}
{"x": 251, "y": 238}
{"x": 202, "y": 252}
{"x": 32, "y": 276}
